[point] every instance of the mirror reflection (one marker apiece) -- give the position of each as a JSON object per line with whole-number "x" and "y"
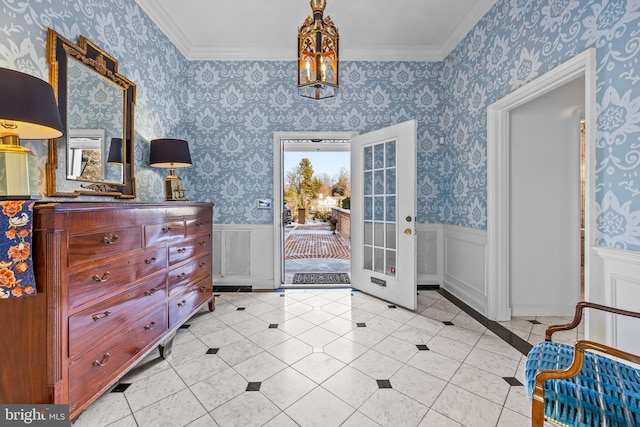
{"x": 94, "y": 117}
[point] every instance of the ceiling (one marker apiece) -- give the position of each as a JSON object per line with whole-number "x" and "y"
{"x": 370, "y": 30}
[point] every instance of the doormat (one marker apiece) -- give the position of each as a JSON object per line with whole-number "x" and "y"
{"x": 321, "y": 279}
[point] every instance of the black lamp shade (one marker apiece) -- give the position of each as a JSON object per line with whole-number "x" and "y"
{"x": 28, "y": 106}
{"x": 115, "y": 151}
{"x": 169, "y": 153}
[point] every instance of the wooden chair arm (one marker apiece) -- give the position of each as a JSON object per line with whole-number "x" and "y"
{"x": 571, "y": 371}
{"x": 577, "y": 317}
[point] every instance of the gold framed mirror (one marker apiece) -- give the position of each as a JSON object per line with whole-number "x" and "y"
{"x": 96, "y": 154}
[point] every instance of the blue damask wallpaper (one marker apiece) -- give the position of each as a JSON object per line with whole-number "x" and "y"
{"x": 235, "y": 107}
{"x": 517, "y": 41}
{"x": 229, "y": 110}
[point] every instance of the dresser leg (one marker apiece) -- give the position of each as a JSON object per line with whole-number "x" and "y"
{"x": 166, "y": 348}
{"x": 212, "y": 303}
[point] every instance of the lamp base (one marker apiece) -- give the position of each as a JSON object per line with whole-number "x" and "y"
{"x": 19, "y": 174}
{"x": 173, "y": 189}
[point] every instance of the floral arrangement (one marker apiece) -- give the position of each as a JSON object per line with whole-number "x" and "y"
{"x": 16, "y": 269}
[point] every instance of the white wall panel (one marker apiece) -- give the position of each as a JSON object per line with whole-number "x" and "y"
{"x": 243, "y": 255}
{"x": 465, "y": 256}
{"x": 620, "y": 274}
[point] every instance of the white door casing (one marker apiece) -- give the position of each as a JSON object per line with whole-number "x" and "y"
{"x": 278, "y": 184}
{"x": 498, "y": 155}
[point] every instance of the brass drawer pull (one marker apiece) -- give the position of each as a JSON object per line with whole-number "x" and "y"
{"x": 150, "y": 291}
{"x": 97, "y": 317}
{"x": 110, "y": 239}
{"x": 203, "y": 288}
{"x": 104, "y": 277}
{"x": 150, "y": 261}
{"x": 182, "y": 303}
{"x": 202, "y": 243}
{"x": 150, "y": 326}
{"x": 105, "y": 359}
{"x": 180, "y": 250}
{"x": 202, "y": 264}
{"x": 198, "y": 223}
{"x": 166, "y": 229}
{"x": 181, "y": 276}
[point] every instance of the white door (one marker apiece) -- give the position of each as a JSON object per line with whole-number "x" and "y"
{"x": 383, "y": 208}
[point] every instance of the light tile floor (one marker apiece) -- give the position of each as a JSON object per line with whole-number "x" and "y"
{"x": 327, "y": 357}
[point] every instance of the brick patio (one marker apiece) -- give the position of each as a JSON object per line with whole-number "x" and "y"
{"x": 315, "y": 241}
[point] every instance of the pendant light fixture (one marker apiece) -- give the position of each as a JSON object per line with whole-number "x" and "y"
{"x": 318, "y": 55}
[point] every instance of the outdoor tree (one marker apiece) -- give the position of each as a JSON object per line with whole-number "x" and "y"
{"x": 342, "y": 186}
{"x": 325, "y": 184}
{"x": 302, "y": 184}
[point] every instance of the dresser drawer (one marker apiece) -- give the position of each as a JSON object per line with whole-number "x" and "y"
{"x": 182, "y": 305}
{"x": 189, "y": 272}
{"x": 110, "y": 278}
{"x": 97, "y": 368}
{"x": 93, "y": 246}
{"x": 193, "y": 247}
{"x": 165, "y": 232}
{"x": 198, "y": 226}
{"x": 103, "y": 319}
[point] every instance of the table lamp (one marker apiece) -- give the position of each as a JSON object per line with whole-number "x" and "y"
{"x": 28, "y": 110}
{"x": 170, "y": 153}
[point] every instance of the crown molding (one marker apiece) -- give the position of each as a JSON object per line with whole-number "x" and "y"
{"x": 288, "y": 53}
{"x": 161, "y": 18}
{"x": 469, "y": 21}
{"x": 163, "y": 21}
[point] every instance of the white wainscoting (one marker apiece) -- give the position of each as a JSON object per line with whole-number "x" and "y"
{"x": 455, "y": 258}
{"x": 465, "y": 265}
{"x": 243, "y": 255}
{"x": 618, "y": 273}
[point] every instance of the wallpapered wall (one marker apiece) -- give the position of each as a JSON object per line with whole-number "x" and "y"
{"x": 229, "y": 110}
{"x": 517, "y": 41}
{"x": 235, "y": 107}
{"x": 122, "y": 29}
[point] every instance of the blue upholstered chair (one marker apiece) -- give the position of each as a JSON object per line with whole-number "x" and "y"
{"x": 575, "y": 386}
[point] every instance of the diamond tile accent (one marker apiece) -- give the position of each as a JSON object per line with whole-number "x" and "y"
{"x": 185, "y": 326}
{"x": 512, "y": 381}
{"x": 120, "y": 388}
{"x": 422, "y": 347}
{"x": 448, "y": 323}
{"x": 384, "y": 384}
{"x": 392, "y": 306}
{"x": 273, "y": 326}
{"x": 240, "y": 308}
{"x": 361, "y": 325}
{"x": 254, "y": 386}
{"x": 535, "y": 322}
{"x": 212, "y": 351}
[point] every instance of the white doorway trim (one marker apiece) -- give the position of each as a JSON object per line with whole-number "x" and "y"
{"x": 278, "y": 174}
{"x": 498, "y": 286}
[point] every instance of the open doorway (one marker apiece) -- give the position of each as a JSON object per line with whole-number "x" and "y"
{"x": 317, "y": 190}
{"x": 557, "y": 163}
{"x": 312, "y": 247}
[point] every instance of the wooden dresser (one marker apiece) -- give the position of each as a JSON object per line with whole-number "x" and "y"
{"x": 115, "y": 280}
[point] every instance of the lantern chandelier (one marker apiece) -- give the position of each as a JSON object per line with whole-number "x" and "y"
{"x": 318, "y": 55}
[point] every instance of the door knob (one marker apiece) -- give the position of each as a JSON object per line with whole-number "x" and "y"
{"x": 408, "y": 218}
{"x": 407, "y": 231}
